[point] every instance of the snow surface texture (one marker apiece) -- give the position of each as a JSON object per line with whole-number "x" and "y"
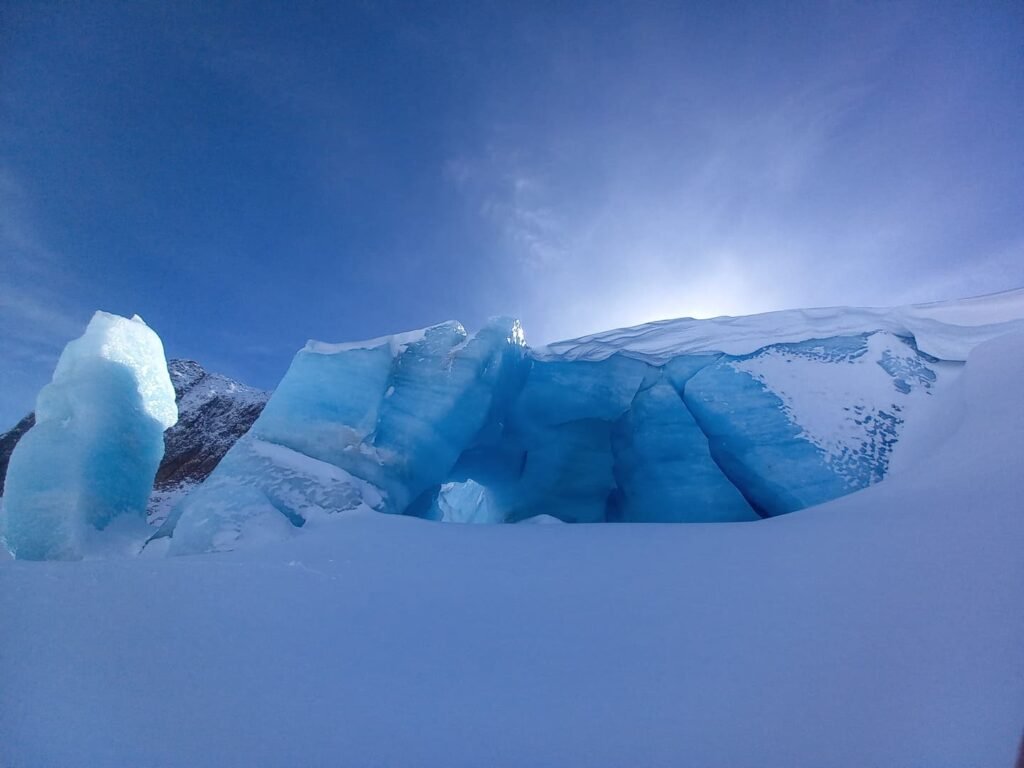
{"x": 96, "y": 444}
{"x": 948, "y": 330}
{"x": 724, "y": 420}
{"x": 880, "y": 629}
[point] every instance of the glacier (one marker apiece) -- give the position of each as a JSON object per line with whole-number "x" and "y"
{"x": 682, "y": 421}
{"x": 90, "y": 459}
{"x": 387, "y": 418}
{"x": 880, "y": 629}
{"x": 903, "y": 595}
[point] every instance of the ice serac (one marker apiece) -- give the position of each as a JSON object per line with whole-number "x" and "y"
{"x": 96, "y": 444}
{"x": 372, "y": 424}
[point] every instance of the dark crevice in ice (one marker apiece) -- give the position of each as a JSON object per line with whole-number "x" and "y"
{"x": 714, "y": 453}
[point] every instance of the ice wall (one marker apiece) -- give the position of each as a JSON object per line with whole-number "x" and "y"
{"x": 794, "y": 425}
{"x": 591, "y": 442}
{"x": 479, "y": 429}
{"x": 665, "y": 471}
{"x": 703, "y": 437}
{"x": 98, "y": 439}
{"x": 378, "y": 423}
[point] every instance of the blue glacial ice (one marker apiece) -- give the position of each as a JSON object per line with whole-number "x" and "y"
{"x": 388, "y": 418}
{"x": 798, "y": 424}
{"x": 92, "y": 455}
{"x": 665, "y": 470}
{"x": 481, "y": 429}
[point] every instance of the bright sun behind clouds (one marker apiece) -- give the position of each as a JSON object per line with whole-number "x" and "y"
{"x": 724, "y": 288}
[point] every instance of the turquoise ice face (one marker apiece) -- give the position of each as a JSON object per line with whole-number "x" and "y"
{"x": 794, "y": 425}
{"x": 98, "y": 439}
{"x": 448, "y": 426}
{"x": 390, "y": 416}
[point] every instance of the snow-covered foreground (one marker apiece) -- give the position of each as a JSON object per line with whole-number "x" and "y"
{"x": 881, "y": 629}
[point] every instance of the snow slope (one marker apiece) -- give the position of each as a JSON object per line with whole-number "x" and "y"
{"x": 881, "y": 629}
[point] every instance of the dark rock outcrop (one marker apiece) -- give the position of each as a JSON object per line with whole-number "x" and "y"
{"x": 213, "y": 412}
{"x": 10, "y": 439}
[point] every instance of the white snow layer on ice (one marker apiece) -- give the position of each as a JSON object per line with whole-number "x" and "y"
{"x": 881, "y": 629}
{"x": 397, "y": 343}
{"x": 853, "y": 412}
{"x": 948, "y": 330}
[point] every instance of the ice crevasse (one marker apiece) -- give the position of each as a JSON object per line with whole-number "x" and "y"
{"x": 721, "y": 420}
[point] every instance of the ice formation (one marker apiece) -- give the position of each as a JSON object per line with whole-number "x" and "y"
{"x": 722, "y": 420}
{"x": 98, "y": 439}
{"x": 374, "y": 425}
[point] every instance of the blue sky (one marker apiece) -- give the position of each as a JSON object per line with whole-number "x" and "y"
{"x": 249, "y": 176}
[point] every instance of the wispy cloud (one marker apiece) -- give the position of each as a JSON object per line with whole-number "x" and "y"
{"x": 774, "y": 192}
{"x": 685, "y": 238}
{"x": 516, "y": 200}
